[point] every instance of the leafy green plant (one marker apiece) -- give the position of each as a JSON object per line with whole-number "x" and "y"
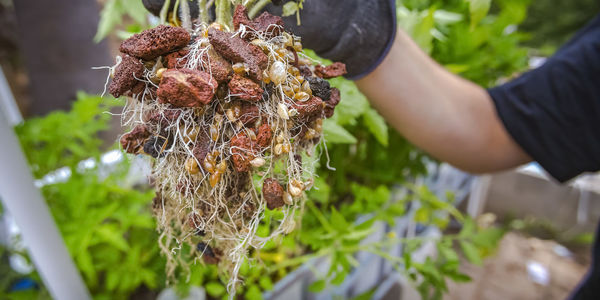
{"x": 106, "y": 225}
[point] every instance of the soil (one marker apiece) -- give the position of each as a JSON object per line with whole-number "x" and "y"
{"x": 186, "y": 88}
{"x": 273, "y": 193}
{"x": 155, "y": 42}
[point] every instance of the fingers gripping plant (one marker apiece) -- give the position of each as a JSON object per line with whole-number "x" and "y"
{"x": 227, "y": 111}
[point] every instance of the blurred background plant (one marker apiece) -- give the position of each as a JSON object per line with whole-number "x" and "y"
{"x": 106, "y": 221}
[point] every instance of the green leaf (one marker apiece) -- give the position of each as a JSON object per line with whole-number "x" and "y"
{"x": 459, "y": 277}
{"x": 215, "y": 289}
{"x": 339, "y": 278}
{"x": 136, "y": 10}
{"x": 265, "y": 283}
{"x": 468, "y": 228}
{"x": 290, "y": 8}
{"x": 376, "y": 125}
{"x": 253, "y": 293}
{"x": 478, "y": 10}
{"x": 488, "y": 237}
{"x": 337, "y": 221}
{"x": 334, "y": 133}
{"x": 111, "y": 235}
{"x": 109, "y": 18}
{"x": 471, "y": 252}
{"x": 317, "y": 286}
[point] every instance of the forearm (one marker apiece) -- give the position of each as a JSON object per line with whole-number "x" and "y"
{"x": 451, "y": 118}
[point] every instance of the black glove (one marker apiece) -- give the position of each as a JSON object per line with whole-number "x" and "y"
{"x": 358, "y": 33}
{"x": 154, "y": 6}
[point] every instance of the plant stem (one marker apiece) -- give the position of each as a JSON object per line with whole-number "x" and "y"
{"x": 164, "y": 11}
{"x": 257, "y": 8}
{"x": 248, "y": 3}
{"x": 174, "y": 18}
{"x": 223, "y": 10}
{"x": 186, "y": 18}
{"x": 202, "y": 11}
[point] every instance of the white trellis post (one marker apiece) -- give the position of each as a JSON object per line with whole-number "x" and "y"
{"x": 31, "y": 214}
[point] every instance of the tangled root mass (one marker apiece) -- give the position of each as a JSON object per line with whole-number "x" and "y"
{"x": 225, "y": 117}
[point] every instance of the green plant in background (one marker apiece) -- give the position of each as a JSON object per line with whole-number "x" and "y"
{"x": 107, "y": 226}
{"x": 551, "y": 23}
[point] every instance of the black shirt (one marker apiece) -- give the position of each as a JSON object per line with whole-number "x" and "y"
{"x": 553, "y": 113}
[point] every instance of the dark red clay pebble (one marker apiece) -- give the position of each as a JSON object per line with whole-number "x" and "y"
{"x": 186, "y": 88}
{"x": 264, "y": 136}
{"x": 237, "y": 50}
{"x": 219, "y": 67}
{"x": 154, "y": 42}
{"x": 163, "y": 118}
{"x": 126, "y": 73}
{"x": 249, "y": 114}
{"x": 266, "y": 23}
{"x": 334, "y": 70}
{"x": 133, "y": 141}
{"x": 242, "y": 150}
{"x": 202, "y": 147}
{"x": 208, "y": 255}
{"x": 245, "y": 89}
{"x": 273, "y": 193}
{"x": 176, "y": 59}
{"x": 308, "y": 110}
{"x": 330, "y": 105}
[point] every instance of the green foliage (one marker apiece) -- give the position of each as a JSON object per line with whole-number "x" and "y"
{"x": 107, "y": 226}
{"x": 63, "y": 139}
{"x": 112, "y": 15}
{"x": 551, "y": 23}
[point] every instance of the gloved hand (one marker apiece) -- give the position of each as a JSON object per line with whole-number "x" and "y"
{"x": 358, "y": 33}
{"x": 154, "y": 6}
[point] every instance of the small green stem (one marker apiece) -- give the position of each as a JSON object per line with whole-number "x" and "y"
{"x": 164, "y": 11}
{"x": 175, "y": 10}
{"x": 186, "y": 18}
{"x": 223, "y": 10}
{"x": 257, "y": 8}
{"x": 202, "y": 11}
{"x": 248, "y": 3}
{"x": 301, "y": 259}
{"x": 319, "y": 216}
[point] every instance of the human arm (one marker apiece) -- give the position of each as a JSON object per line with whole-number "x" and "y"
{"x": 451, "y": 118}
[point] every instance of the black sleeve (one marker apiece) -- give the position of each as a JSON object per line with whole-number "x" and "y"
{"x": 553, "y": 112}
